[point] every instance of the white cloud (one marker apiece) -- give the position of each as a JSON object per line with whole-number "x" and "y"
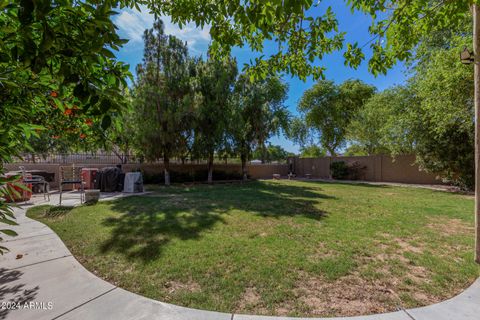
{"x": 132, "y": 24}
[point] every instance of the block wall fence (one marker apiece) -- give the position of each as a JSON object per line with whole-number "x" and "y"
{"x": 378, "y": 168}
{"x": 256, "y": 171}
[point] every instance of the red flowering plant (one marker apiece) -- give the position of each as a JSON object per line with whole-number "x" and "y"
{"x": 68, "y": 128}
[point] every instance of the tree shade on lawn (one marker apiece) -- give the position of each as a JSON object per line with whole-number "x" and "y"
{"x": 279, "y": 247}
{"x": 397, "y": 28}
{"x": 401, "y": 24}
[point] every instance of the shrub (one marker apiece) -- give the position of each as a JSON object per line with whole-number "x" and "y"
{"x": 339, "y": 170}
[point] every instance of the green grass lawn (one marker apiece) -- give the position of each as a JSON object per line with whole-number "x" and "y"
{"x": 278, "y": 247}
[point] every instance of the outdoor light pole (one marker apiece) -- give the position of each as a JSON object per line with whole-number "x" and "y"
{"x": 476, "y": 61}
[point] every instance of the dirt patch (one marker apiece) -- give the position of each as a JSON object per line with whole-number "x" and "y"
{"x": 418, "y": 273}
{"x": 348, "y": 296}
{"x": 450, "y": 227}
{"x": 176, "y": 286}
{"x": 355, "y": 295}
{"x": 321, "y": 252}
{"x": 406, "y": 246}
{"x": 249, "y": 299}
{"x": 403, "y": 246}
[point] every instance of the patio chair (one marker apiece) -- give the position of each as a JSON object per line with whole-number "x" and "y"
{"x": 73, "y": 176}
{"x": 35, "y": 180}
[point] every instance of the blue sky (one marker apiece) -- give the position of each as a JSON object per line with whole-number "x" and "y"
{"x": 132, "y": 23}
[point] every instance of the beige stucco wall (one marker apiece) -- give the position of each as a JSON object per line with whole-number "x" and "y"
{"x": 379, "y": 168}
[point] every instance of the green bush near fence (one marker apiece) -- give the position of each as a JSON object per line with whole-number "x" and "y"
{"x": 339, "y": 170}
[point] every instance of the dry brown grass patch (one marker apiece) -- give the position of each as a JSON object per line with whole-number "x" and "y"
{"x": 450, "y": 226}
{"x": 176, "y": 286}
{"x": 350, "y": 295}
{"x": 250, "y": 299}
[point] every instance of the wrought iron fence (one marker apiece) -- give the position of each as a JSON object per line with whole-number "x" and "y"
{"x": 77, "y": 158}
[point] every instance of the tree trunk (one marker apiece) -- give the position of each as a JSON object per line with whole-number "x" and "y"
{"x": 210, "y": 168}
{"x": 166, "y": 164}
{"x": 262, "y": 152}
{"x": 244, "y": 167}
{"x": 476, "y": 50}
{"x": 118, "y": 155}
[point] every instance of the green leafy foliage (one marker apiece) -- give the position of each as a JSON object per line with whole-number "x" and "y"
{"x": 54, "y": 55}
{"x": 214, "y": 84}
{"x": 258, "y": 113}
{"x": 381, "y": 125}
{"x": 339, "y": 170}
{"x": 355, "y": 150}
{"x": 312, "y": 151}
{"x": 328, "y": 109}
{"x": 272, "y": 153}
{"x": 443, "y": 122}
{"x": 163, "y": 97}
{"x": 432, "y": 116}
{"x": 302, "y": 38}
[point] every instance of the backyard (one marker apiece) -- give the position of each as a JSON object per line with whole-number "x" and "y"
{"x": 300, "y": 248}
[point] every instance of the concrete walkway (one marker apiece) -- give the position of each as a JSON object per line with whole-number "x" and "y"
{"x": 47, "y": 282}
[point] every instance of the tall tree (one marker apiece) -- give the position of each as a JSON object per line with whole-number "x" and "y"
{"x": 163, "y": 96}
{"x": 214, "y": 83}
{"x": 443, "y": 121}
{"x": 328, "y": 110}
{"x": 257, "y": 113}
{"x": 273, "y": 116}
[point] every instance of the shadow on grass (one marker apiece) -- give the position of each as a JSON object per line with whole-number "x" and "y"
{"x": 147, "y": 223}
{"x": 48, "y": 211}
{"x": 57, "y": 211}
